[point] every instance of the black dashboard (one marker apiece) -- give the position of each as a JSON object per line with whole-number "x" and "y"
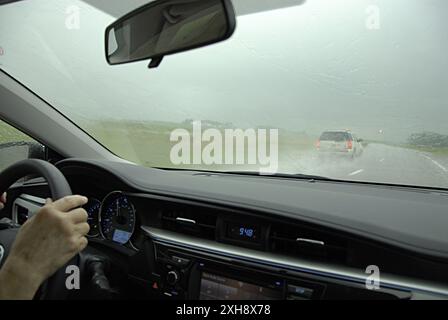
{"x": 195, "y": 235}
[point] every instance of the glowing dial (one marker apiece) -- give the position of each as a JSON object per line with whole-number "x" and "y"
{"x": 117, "y": 218}
{"x": 93, "y": 210}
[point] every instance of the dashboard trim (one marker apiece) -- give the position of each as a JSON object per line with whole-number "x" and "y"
{"x": 312, "y": 241}
{"x": 294, "y": 264}
{"x": 185, "y": 220}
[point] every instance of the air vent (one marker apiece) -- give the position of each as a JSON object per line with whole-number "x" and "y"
{"x": 191, "y": 222}
{"x": 307, "y": 242}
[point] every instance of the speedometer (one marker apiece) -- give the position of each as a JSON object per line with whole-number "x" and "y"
{"x": 117, "y": 218}
{"x": 93, "y": 210}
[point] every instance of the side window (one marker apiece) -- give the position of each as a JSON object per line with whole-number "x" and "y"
{"x": 16, "y": 146}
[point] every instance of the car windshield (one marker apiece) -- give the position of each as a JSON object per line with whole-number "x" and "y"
{"x": 292, "y": 70}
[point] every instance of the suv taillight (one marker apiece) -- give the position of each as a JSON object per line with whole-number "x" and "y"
{"x": 349, "y": 144}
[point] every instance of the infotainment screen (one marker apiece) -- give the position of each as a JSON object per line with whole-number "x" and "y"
{"x": 214, "y": 287}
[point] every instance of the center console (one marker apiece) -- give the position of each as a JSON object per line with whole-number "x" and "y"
{"x": 188, "y": 274}
{"x": 185, "y": 275}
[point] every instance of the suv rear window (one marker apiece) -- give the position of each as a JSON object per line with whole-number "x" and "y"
{"x": 335, "y": 136}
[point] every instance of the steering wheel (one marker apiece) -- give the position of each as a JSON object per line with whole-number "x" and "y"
{"x": 54, "y": 287}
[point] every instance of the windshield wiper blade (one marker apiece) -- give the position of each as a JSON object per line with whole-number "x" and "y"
{"x": 310, "y": 178}
{"x": 280, "y": 175}
{"x": 257, "y": 173}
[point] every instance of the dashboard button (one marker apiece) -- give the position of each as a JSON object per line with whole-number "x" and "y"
{"x": 181, "y": 261}
{"x": 300, "y": 291}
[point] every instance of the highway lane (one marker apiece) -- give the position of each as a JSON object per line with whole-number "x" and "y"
{"x": 378, "y": 163}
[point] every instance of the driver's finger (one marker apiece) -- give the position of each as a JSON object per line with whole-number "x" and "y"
{"x": 78, "y": 215}
{"x": 83, "y": 242}
{"x": 70, "y": 202}
{"x": 82, "y": 228}
{"x": 3, "y": 198}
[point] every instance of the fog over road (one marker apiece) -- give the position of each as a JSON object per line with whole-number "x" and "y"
{"x": 378, "y": 163}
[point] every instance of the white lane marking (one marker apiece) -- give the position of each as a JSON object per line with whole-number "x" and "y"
{"x": 436, "y": 163}
{"x": 356, "y": 172}
{"x": 382, "y": 160}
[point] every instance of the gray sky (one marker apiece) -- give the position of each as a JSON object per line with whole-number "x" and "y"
{"x": 309, "y": 68}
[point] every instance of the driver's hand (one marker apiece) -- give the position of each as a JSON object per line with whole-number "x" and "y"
{"x": 2, "y": 201}
{"x": 44, "y": 244}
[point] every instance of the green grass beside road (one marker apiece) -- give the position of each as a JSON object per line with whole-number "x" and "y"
{"x": 11, "y": 134}
{"x": 148, "y": 143}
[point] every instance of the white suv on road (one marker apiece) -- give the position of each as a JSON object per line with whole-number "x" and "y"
{"x": 339, "y": 143}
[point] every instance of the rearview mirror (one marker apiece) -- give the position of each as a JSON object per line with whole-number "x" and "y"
{"x": 165, "y": 27}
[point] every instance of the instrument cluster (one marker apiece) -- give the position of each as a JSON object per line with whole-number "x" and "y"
{"x": 112, "y": 219}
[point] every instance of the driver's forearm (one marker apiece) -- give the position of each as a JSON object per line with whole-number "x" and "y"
{"x": 17, "y": 282}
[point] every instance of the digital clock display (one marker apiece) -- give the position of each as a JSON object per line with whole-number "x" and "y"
{"x": 244, "y": 232}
